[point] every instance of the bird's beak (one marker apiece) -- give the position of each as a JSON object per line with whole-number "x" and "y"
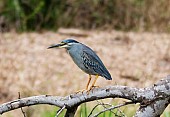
{"x": 60, "y": 45}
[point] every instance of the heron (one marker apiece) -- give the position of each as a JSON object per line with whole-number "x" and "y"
{"x": 85, "y": 58}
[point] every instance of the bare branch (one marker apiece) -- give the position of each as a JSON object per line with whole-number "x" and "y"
{"x": 19, "y": 97}
{"x": 154, "y": 110}
{"x": 113, "y": 107}
{"x": 71, "y": 112}
{"x": 103, "y": 104}
{"x": 93, "y": 109}
{"x": 73, "y": 99}
{"x": 60, "y": 110}
{"x": 152, "y": 98}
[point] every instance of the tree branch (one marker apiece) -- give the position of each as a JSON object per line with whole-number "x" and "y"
{"x": 71, "y": 111}
{"x": 111, "y": 108}
{"x": 59, "y": 111}
{"x": 155, "y": 109}
{"x": 19, "y": 97}
{"x": 149, "y": 98}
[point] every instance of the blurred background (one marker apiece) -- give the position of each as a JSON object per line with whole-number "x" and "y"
{"x": 33, "y": 15}
{"x": 130, "y": 36}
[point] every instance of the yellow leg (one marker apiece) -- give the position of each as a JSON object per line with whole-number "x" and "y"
{"x": 88, "y": 82}
{"x": 97, "y": 76}
{"x": 86, "y": 85}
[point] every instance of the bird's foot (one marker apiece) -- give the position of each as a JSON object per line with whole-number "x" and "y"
{"x": 92, "y": 87}
{"x": 80, "y": 91}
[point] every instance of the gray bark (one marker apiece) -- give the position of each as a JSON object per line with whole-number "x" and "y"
{"x": 71, "y": 112}
{"x": 153, "y": 100}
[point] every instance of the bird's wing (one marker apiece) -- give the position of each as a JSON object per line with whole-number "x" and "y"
{"x": 89, "y": 61}
{"x": 92, "y": 61}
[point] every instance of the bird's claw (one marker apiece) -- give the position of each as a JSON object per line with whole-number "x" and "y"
{"x": 92, "y": 87}
{"x": 80, "y": 91}
{"x": 86, "y": 90}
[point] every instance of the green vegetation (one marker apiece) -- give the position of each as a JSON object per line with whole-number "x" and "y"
{"x": 52, "y": 113}
{"x": 85, "y": 110}
{"x": 166, "y": 114}
{"x": 125, "y": 15}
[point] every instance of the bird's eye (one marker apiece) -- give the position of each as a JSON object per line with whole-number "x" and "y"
{"x": 63, "y": 43}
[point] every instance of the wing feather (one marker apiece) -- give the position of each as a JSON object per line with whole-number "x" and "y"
{"x": 93, "y": 62}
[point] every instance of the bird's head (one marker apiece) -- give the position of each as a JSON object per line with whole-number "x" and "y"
{"x": 67, "y": 43}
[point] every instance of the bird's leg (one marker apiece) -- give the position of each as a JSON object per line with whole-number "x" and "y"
{"x": 86, "y": 85}
{"x": 88, "y": 82}
{"x": 97, "y": 76}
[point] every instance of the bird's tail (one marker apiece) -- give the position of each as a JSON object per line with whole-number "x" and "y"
{"x": 107, "y": 76}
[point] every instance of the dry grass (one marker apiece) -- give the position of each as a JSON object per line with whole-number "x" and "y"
{"x": 26, "y": 66}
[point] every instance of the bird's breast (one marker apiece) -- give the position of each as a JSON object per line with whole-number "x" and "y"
{"x": 76, "y": 56}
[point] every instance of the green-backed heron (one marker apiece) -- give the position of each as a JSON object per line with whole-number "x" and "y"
{"x": 85, "y": 58}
